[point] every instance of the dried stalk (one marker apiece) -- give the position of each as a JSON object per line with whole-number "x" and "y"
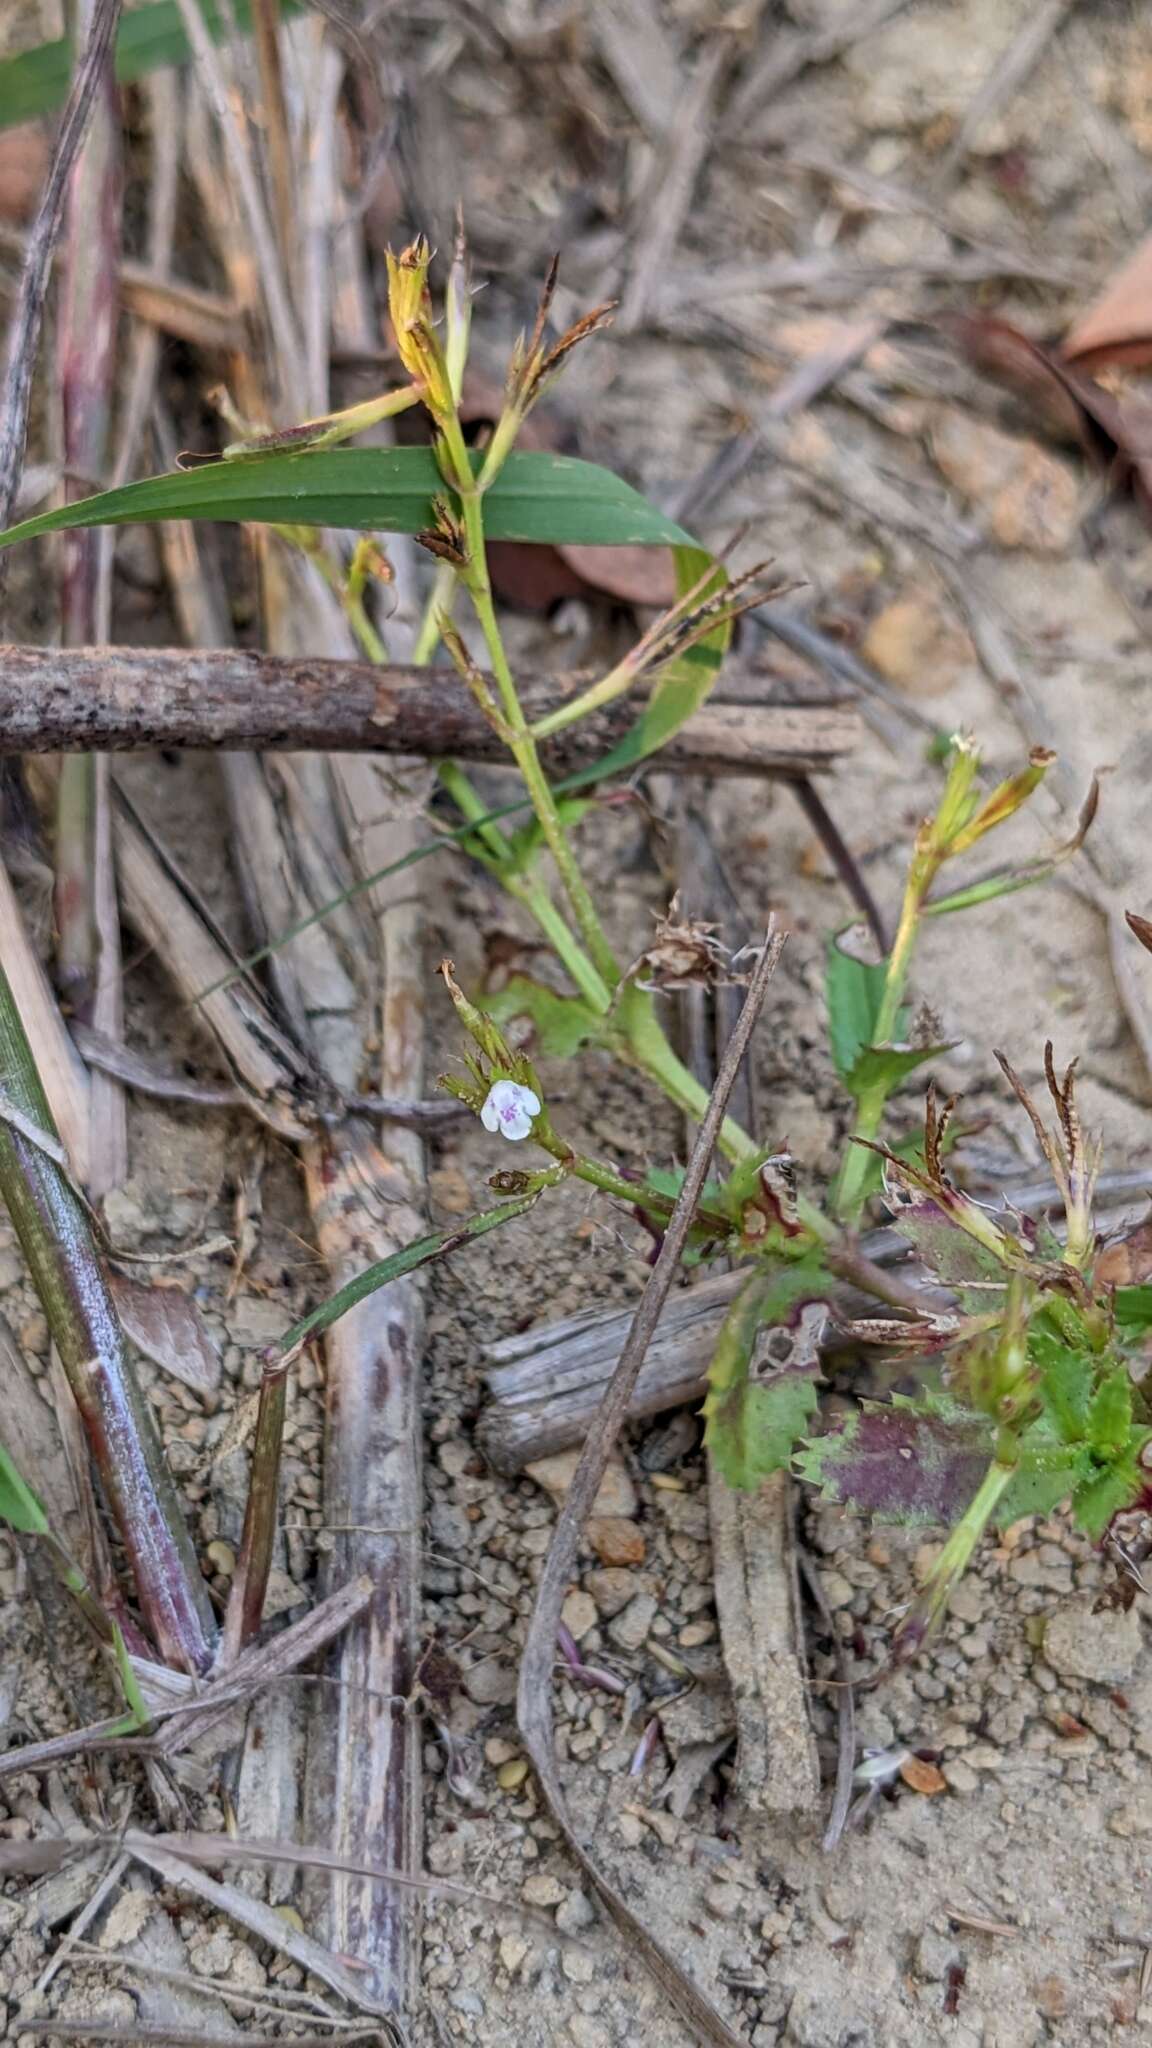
{"x": 160, "y": 912}
{"x": 250, "y": 1586}
{"x": 753, "y": 1536}
{"x": 56, "y": 1238}
{"x": 124, "y": 697}
{"x": 25, "y": 329}
{"x": 87, "y": 919}
{"x": 62, "y": 1072}
{"x": 374, "y": 1434}
{"x": 293, "y": 824}
{"x": 534, "y": 1695}
{"x": 548, "y": 1384}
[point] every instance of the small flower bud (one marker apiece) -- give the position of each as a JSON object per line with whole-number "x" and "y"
{"x": 417, "y": 342}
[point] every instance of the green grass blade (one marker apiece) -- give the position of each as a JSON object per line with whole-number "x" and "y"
{"x": 19, "y": 1506}
{"x": 683, "y": 685}
{"x": 36, "y": 82}
{"x": 421, "y": 1252}
{"x": 537, "y": 497}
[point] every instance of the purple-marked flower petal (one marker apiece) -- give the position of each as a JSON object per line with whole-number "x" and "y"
{"x": 510, "y": 1108}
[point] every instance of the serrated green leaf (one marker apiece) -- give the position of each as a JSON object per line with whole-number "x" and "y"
{"x": 560, "y": 1024}
{"x": 950, "y": 1253}
{"x": 36, "y": 81}
{"x": 1107, "y": 1492}
{"x": 537, "y": 496}
{"x": 758, "y": 1407}
{"x": 1110, "y": 1415}
{"x": 19, "y": 1506}
{"x": 853, "y": 992}
{"x": 1039, "y": 1487}
{"x": 1066, "y": 1378}
{"x": 885, "y": 1066}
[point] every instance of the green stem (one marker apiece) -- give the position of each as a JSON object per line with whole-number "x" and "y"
{"x": 594, "y": 971}
{"x": 924, "y": 1614}
{"x": 524, "y": 751}
{"x": 651, "y": 1051}
{"x": 470, "y": 804}
{"x": 441, "y": 599}
{"x": 848, "y": 1201}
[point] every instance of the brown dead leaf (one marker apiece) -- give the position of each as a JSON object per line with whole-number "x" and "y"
{"x": 1140, "y": 927}
{"x": 1069, "y": 404}
{"x": 23, "y": 169}
{"x": 1029, "y": 495}
{"x": 1128, "y": 1262}
{"x": 921, "y": 1777}
{"x": 1117, "y": 326}
{"x": 1115, "y": 431}
{"x": 633, "y": 575}
{"x": 684, "y": 953}
{"x": 916, "y": 645}
{"x": 166, "y": 1325}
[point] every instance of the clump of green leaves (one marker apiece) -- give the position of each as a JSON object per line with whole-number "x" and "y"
{"x": 1033, "y": 1399}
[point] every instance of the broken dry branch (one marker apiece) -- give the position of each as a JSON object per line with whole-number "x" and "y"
{"x": 534, "y": 1694}
{"x": 547, "y": 1384}
{"x": 117, "y": 698}
{"x": 757, "y": 1602}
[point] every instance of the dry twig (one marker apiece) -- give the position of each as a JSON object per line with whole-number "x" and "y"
{"x": 534, "y": 1695}
{"x": 124, "y": 697}
{"x": 25, "y": 329}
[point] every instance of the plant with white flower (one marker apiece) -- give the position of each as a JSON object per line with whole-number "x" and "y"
{"x": 510, "y": 1108}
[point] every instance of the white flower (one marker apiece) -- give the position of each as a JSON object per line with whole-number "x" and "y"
{"x": 510, "y": 1108}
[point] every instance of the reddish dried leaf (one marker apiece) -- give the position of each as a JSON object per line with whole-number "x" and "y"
{"x": 1116, "y": 432}
{"x": 1140, "y": 927}
{"x": 1070, "y": 405}
{"x": 1117, "y": 327}
{"x": 1128, "y": 1262}
{"x": 921, "y": 1777}
{"x": 634, "y": 575}
{"x": 24, "y": 155}
{"x": 169, "y": 1329}
{"x": 532, "y": 579}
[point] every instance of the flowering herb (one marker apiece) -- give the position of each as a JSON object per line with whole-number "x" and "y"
{"x": 1025, "y": 1395}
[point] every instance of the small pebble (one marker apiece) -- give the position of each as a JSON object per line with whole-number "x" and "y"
{"x": 579, "y": 1613}
{"x": 611, "y": 1589}
{"x": 542, "y": 1889}
{"x": 630, "y": 1628}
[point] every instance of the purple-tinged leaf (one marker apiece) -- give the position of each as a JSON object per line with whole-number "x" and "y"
{"x": 949, "y": 1252}
{"x": 900, "y": 1466}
